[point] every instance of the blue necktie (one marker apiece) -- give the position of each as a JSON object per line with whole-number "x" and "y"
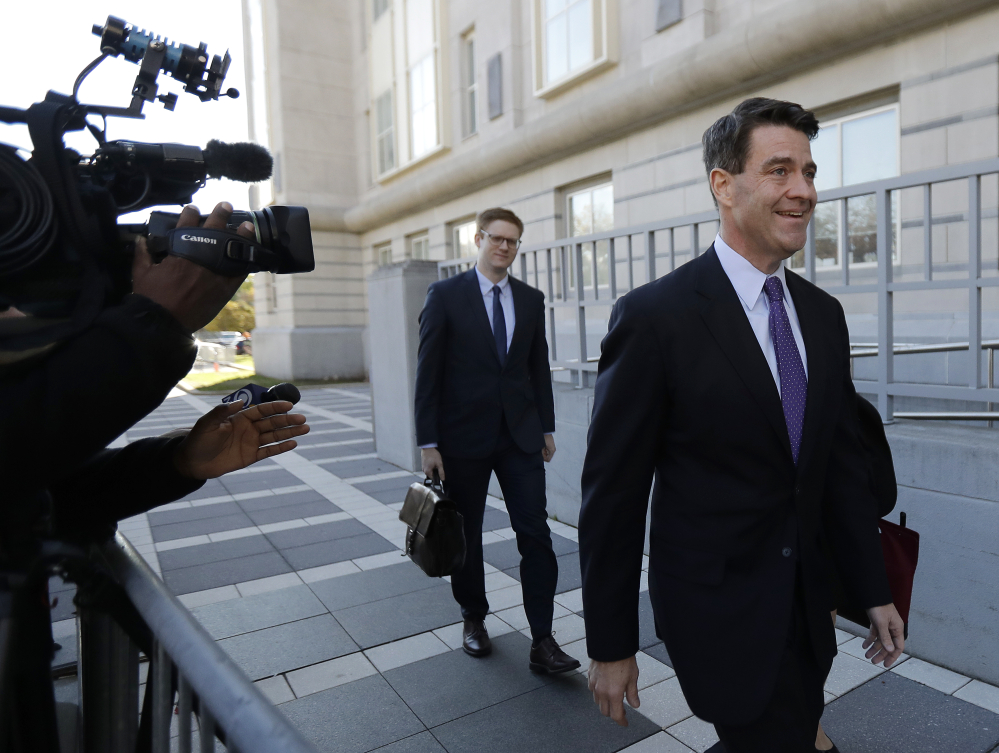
{"x": 499, "y": 325}
{"x": 793, "y": 384}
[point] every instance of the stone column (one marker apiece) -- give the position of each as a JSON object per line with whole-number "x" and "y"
{"x": 395, "y": 299}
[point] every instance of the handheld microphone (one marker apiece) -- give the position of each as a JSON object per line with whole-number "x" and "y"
{"x": 253, "y": 394}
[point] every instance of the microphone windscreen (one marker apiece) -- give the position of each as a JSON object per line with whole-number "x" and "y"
{"x": 243, "y": 161}
{"x": 283, "y": 391}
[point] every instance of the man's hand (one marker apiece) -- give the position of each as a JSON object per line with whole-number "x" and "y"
{"x": 226, "y": 438}
{"x": 549, "y": 449}
{"x": 885, "y": 642}
{"x": 431, "y": 460}
{"x": 612, "y": 681}
{"x": 192, "y": 293}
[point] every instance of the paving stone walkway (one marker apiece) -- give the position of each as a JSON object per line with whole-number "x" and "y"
{"x": 294, "y": 566}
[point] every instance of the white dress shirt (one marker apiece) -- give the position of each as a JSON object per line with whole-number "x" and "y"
{"x": 748, "y": 283}
{"x": 506, "y": 301}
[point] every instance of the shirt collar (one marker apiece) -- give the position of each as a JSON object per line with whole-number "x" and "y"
{"x": 745, "y": 278}
{"x": 486, "y": 285}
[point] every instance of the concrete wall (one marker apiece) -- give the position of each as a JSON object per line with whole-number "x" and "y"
{"x": 396, "y": 294}
{"x": 312, "y": 325}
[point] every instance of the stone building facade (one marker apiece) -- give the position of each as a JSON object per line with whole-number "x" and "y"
{"x": 395, "y": 121}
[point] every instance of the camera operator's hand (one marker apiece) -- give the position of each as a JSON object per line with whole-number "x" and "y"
{"x": 192, "y": 293}
{"x": 226, "y": 438}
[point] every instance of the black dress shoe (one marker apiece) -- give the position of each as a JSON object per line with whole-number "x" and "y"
{"x": 475, "y": 640}
{"x": 548, "y": 658}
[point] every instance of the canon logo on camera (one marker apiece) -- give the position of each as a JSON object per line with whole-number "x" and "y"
{"x": 197, "y": 238}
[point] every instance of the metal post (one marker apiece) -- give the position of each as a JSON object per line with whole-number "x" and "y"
{"x": 672, "y": 249}
{"x": 580, "y": 315}
{"x": 974, "y": 273}
{"x": 631, "y": 265}
{"x": 594, "y": 270}
{"x": 550, "y": 304}
{"x": 523, "y": 268}
{"x": 612, "y": 268}
{"x": 562, "y": 274}
{"x": 886, "y": 330}
{"x": 162, "y": 699}
{"x": 109, "y": 683}
{"x": 844, "y": 239}
{"x": 991, "y": 376}
{"x": 184, "y": 715}
{"x": 206, "y": 729}
{"x": 695, "y": 241}
{"x": 650, "y": 256}
{"x": 928, "y": 232}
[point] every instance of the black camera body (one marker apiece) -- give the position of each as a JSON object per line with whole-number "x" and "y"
{"x": 64, "y": 257}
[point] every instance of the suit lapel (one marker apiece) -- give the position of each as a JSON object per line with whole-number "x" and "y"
{"x": 810, "y": 321}
{"x": 478, "y": 308}
{"x": 725, "y": 318}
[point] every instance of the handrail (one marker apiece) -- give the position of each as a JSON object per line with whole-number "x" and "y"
{"x": 867, "y": 351}
{"x": 250, "y": 721}
{"x": 583, "y": 275}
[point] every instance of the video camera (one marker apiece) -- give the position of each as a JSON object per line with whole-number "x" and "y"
{"x": 63, "y": 256}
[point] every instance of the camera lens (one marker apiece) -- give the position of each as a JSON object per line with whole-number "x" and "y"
{"x": 283, "y": 230}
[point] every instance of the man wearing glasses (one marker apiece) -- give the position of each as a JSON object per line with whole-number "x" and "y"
{"x": 484, "y": 404}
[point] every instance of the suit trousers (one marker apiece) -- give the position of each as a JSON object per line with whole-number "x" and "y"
{"x": 791, "y": 719}
{"x": 521, "y": 476}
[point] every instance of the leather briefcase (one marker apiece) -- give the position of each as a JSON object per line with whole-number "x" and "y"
{"x": 435, "y": 534}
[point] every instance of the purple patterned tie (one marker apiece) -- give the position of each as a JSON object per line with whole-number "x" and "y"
{"x": 793, "y": 384}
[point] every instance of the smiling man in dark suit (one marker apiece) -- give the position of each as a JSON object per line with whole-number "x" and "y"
{"x": 728, "y": 380}
{"x": 483, "y": 404}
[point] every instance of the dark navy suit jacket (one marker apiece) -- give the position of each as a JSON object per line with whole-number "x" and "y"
{"x": 462, "y": 391}
{"x": 684, "y": 395}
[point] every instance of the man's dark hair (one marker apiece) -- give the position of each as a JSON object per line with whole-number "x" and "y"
{"x": 726, "y": 143}
{"x": 488, "y": 216}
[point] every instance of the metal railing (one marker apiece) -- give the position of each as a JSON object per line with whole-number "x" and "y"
{"x": 582, "y": 275}
{"x": 185, "y": 662}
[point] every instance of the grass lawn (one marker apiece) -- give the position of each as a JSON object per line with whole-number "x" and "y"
{"x": 223, "y": 382}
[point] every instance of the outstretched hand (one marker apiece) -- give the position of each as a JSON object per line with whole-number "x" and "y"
{"x": 227, "y": 438}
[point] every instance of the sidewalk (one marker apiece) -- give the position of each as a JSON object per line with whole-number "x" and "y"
{"x": 294, "y": 566}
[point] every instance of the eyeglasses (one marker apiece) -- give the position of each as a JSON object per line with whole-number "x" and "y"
{"x": 497, "y": 240}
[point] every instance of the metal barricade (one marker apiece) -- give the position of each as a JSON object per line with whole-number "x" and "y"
{"x": 185, "y": 664}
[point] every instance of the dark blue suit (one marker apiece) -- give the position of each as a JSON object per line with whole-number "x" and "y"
{"x": 737, "y": 573}
{"x": 490, "y": 417}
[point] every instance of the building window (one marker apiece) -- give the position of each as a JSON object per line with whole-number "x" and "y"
{"x": 383, "y": 254}
{"x": 469, "y": 99}
{"x": 851, "y": 150}
{"x": 463, "y": 240}
{"x": 419, "y": 246}
{"x": 384, "y": 133}
{"x": 591, "y": 210}
{"x": 568, "y": 37}
{"x": 423, "y": 104}
{"x": 574, "y": 39}
{"x": 421, "y": 53}
{"x": 379, "y": 7}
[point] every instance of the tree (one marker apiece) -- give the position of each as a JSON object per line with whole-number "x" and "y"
{"x": 238, "y": 314}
